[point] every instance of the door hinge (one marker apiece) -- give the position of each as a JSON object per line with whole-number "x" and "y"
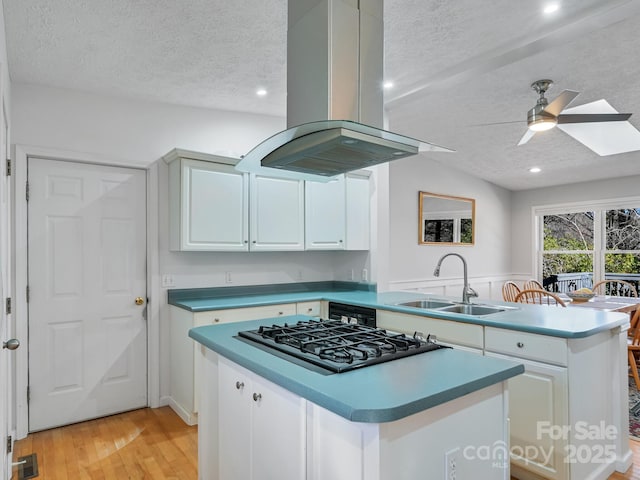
{"x": 28, "y": 293}
{"x": 28, "y": 394}
{"x": 8, "y": 167}
{"x": 8, "y": 305}
{"x": 9, "y": 444}
{"x": 27, "y": 191}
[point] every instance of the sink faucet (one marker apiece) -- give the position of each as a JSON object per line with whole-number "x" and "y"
{"x": 467, "y": 291}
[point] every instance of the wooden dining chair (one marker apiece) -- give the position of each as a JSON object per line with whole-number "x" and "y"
{"x": 617, "y": 288}
{"x": 532, "y": 284}
{"x": 509, "y": 291}
{"x": 633, "y": 347}
{"x": 540, "y": 297}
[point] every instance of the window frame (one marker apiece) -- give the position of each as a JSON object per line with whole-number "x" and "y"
{"x": 599, "y": 209}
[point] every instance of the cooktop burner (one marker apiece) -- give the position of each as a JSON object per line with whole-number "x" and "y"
{"x": 339, "y": 346}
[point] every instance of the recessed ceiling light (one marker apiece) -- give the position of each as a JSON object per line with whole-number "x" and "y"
{"x": 387, "y": 85}
{"x": 261, "y": 92}
{"x": 535, "y": 170}
{"x": 550, "y": 8}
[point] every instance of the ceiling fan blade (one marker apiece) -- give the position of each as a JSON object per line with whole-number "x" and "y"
{"x": 560, "y": 102}
{"x": 593, "y": 117}
{"x": 526, "y": 137}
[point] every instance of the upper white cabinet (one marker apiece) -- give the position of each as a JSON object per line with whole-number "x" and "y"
{"x": 214, "y": 207}
{"x": 277, "y": 214}
{"x": 337, "y": 213}
{"x": 358, "y": 221}
{"x": 208, "y": 203}
{"x": 325, "y": 215}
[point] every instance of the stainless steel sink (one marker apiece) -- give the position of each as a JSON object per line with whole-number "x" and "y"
{"x": 427, "y": 304}
{"x": 472, "y": 309}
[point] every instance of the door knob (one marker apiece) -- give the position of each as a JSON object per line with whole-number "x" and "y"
{"x": 11, "y": 344}
{"x": 139, "y": 300}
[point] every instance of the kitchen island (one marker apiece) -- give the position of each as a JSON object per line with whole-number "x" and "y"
{"x": 263, "y": 416}
{"x": 575, "y": 364}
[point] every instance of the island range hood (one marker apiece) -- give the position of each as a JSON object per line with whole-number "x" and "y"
{"x": 334, "y": 96}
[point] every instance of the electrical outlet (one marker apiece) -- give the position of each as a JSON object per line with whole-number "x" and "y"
{"x": 227, "y": 277}
{"x": 168, "y": 281}
{"x": 451, "y": 460}
{"x": 365, "y": 275}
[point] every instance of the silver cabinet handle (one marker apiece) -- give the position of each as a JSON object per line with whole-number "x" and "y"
{"x": 11, "y": 344}
{"x": 239, "y": 385}
{"x": 257, "y": 397}
{"x": 520, "y": 345}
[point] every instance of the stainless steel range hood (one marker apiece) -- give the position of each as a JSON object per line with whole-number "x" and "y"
{"x": 334, "y": 96}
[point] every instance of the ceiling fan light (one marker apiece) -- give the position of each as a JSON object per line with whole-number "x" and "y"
{"x": 538, "y": 120}
{"x": 543, "y": 124}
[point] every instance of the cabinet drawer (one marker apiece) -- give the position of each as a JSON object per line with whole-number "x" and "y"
{"x": 243, "y": 314}
{"x": 446, "y": 331}
{"x": 526, "y": 345}
{"x": 308, "y": 308}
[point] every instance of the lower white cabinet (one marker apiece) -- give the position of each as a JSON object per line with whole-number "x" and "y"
{"x": 261, "y": 427}
{"x": 538, "y": 401}
{"x": 185, "y": 358}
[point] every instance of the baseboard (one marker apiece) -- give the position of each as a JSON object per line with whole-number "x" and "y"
{"x": 187, "y": 417}
{"x": 623, "y": 463}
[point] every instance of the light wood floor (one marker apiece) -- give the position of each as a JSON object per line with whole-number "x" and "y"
{"x": 143, "y": 444}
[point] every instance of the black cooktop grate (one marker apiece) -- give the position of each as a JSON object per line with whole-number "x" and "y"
{"x": 339, "y": 346}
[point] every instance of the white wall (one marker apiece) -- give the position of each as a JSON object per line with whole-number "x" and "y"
{"x": 522, "y": 259}
{"x": 411, "y": 265}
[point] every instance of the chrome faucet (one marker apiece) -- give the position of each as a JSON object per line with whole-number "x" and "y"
{"x": 467, "y": 291}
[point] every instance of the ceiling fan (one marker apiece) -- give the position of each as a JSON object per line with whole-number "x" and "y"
{"x": 545, "y": 115}
{"x": 597, "y": 125}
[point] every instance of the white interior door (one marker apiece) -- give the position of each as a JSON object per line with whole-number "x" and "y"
{"x": 5, "y": 292}
{"x": 87, "y": 267}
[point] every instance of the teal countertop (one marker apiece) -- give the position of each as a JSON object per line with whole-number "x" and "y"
{"x": 375, "y": 394}
{"x": 554, "y": 321}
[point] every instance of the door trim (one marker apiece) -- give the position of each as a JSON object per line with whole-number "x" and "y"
{"x": 22, "y": 152}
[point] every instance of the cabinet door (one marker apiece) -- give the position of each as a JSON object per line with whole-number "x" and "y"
{"x": 358, "y": 216}
{"x": 214, "y": 207}
{"x": 538, "y": 401}
{"x": 279, "y": 433}
{"x": 325, "y": 215}
{"x": 277, "y": 214}
{"x": 234, "y": 422}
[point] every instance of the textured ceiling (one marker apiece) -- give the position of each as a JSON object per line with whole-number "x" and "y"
{"x": 455, "y": 65}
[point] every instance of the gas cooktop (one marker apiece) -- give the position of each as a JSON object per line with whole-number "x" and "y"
{"x": 338, "y": 346}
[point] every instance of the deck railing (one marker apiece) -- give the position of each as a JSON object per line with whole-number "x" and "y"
{"x": 567, "y": 282}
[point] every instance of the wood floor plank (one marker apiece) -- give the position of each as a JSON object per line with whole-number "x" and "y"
{"x": 152, "y": 444}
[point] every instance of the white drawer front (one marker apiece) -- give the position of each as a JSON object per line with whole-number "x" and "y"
{"x": 244, "y": 314}
{"x": 308, "y": 308}
{"x": 446, "y": 331}
{"x": 526, "y": 345}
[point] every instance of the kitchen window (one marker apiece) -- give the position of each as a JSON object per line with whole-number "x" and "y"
{"x": 578, "y": 245}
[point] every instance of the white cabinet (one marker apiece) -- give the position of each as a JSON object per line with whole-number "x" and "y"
{"x": 538, "y": 399}
{"x": 276, "y": 214}
{"x": 208, "y": 203}
{"x": 261, "y": 427}
{"x": 337, "y": 213}
{"x": 325, "y": 215}
{"x": 186, "y": 357}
